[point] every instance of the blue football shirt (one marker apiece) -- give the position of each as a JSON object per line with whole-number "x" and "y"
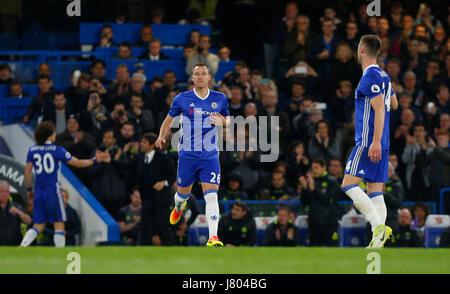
{"x": 46, "y": 161}
{"x": 374, "y": 82}
{"x": 198, "y": 135}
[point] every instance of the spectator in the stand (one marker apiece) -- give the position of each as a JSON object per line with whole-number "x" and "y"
{"x": 419, "y": 217}
{"x": 342, "y": 106}
{"x": 238, "y": 228}
{"x": 298, "y": 41}
{"x": 164, "y": 108}
{"x": 297, "y": 161}
{"x": 93, "y": 118}
{"x": 108, "y": 178}
{"x": 158, "y": 15}
{"x": 59, "y": 112}
{"x": 305, "y": 72}
{"x": 393, "y": 194}
{"x": 146, "y": 36}
{"x": 298, "y": 122}
{"x": 235, "y": 103}
{"x": 106, "y": 37}
{"x": 443, "y": 99}
{"x": 79, "y": 143}
{"x": 433, "y": 78}
{"x": 143, "y": 119}
{"x": 130, "y": 218}
{"x": 404, "y": 236}
{"x": 393, "y": 68}
{"x": 323, "y": 144}
{"x": 426, "y": 18}
{"x": 413, "y": 62}
{"x": 282, "y": 232}
{"x": 124, "y": 52}
{"x": 11, "y": 216}
{"x": 279, "y": 189}
{"x": 351, "y": 35}
{"x": 194, "y": 37}
{"x": 405, "y": 102}
{"x": 417, "y": 168}
{"x": 321, "y": 194}
{"x": 98, "y": 70}
{"x": 188, "y": 50}
{"x": 16, "y": 90}
{"x": 41, "y": 102}
{"x": 5, "y": 74}
{"x": 127, "y": 135}
{"x": 439, "y": 161}
{"x": 232, "y": 190}
{"x": 224, "y": 53}
{"x": 439, "y": 43}
{"x": 203, "y": 56}
{"x": 169, "y": 84}
{"x": 292, "y": 106}
{"x": 243, "y": 80}
{"x": 72, "y": 225}
{"x": 444, "y": 121}
{"x": 336, "y": 169}
{"x": 120, "y": 88}
{"x": 402, "y": 132}
{"x": 269, "y": 102}
{"x": 344, "y": 66}
{"x": 323, "y": 48}
{"x": 156, "y": 175}
{"x": 154, "y": 51}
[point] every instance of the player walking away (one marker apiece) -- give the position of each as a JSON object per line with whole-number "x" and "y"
{"x": 369, "y": 159}
{"x": 201, "y": 110}
{"x": 46, "y": 159}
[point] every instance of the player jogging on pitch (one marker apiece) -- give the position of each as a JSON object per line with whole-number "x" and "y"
{"x": 201, "y": 110}
{"x": 370, "y": 158}
{"x": 48, "y": 204}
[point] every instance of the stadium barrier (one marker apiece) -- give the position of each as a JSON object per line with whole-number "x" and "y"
{"x": 96, "y": 223}
{"x": 434, "y": 227}
{"x": 169, "y": 34}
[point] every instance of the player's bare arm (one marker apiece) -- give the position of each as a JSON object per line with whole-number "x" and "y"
{"x": 394, "y": 102}
{"x": 375, "y": 148}
{"x": 165, "y": 127}
{"x": 28, "y": 179}
{"x": 81, "y": 163}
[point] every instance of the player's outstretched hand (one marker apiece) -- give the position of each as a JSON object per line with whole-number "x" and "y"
{"x": 101, "y": 156}
{"x": 375, "y": 151}
{"x": 217, "y": 119}
{"x": 159, "y": 142}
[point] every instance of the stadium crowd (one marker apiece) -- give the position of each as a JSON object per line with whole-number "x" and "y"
{"x": 308, "y": 81}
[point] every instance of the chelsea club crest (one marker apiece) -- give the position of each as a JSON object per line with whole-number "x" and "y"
{"x": 214, "y": 105}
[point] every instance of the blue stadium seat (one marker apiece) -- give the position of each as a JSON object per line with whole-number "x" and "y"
{"x": 224, "y": 67}
{"x": 154, "y": 68}
{"x": 12, "y": 110}
{"x": 33, "y": 90}
{"x": 434, "y": 226}
{"x": 62, "y": 70}
{"x": 169, "y": 34}
{"x": 3, "y": 91}
{"x": 352, "y": 231}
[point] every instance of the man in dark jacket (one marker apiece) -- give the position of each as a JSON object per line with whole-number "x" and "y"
{"x": 108, "y": 178}
{"x": 238, "y": 228}
{"x": 282, "y": 232}
{"x": 42, "y": 101}
{"x": 233, "y": 189}
{"x": 156, "y": 175}
{"x": 320, "y": 196}
{"x": 404, "y": 236}
{"x": 58, "y": 112}
{"x": 393, "y": 195}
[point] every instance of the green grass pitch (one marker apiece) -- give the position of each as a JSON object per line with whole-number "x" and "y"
{"x": 202, "y": 260}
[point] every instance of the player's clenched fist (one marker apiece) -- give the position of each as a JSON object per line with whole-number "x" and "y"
{"x": 375, "y": 151}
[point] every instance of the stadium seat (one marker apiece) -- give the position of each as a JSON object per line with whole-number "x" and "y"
{"x": 154, "y": 68}
{"x": 169, "y": 34}
{"x": 302, "y": 223}
{"x": 224, "y": 67}
{"x": 352, "y": 231}
{"x": 434, "y": 226}
{"x": 13, "y": 110}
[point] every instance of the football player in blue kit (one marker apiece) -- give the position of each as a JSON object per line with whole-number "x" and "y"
{"x": 201, "y": 110}
{"x": 374, "y": 98}
{"x": 48, "y": 205}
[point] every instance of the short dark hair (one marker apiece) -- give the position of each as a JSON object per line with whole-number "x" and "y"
{"x": 320, "y": 161}
{"x": 15, "y": 82}
{"x": 43, "y": 131}
{"x": 106, "y": 26}
{"x": 125, "y": 44}
{"x": 150, "y": 137}
{"x": 201, "y": 64}
{"x": 134, "y": 189}
{"x": 189, "y": 45}
{"x": 96, "y": 61}
{"x": 42, "y": 77}
{"x": 109, "y": 130}
{"x": 57, "y": 93}
{"x": 372, "y": 44}
{"x": 127, "y": 123}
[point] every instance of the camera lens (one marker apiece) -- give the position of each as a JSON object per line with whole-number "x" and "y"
{"x": 120, "y": 112}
